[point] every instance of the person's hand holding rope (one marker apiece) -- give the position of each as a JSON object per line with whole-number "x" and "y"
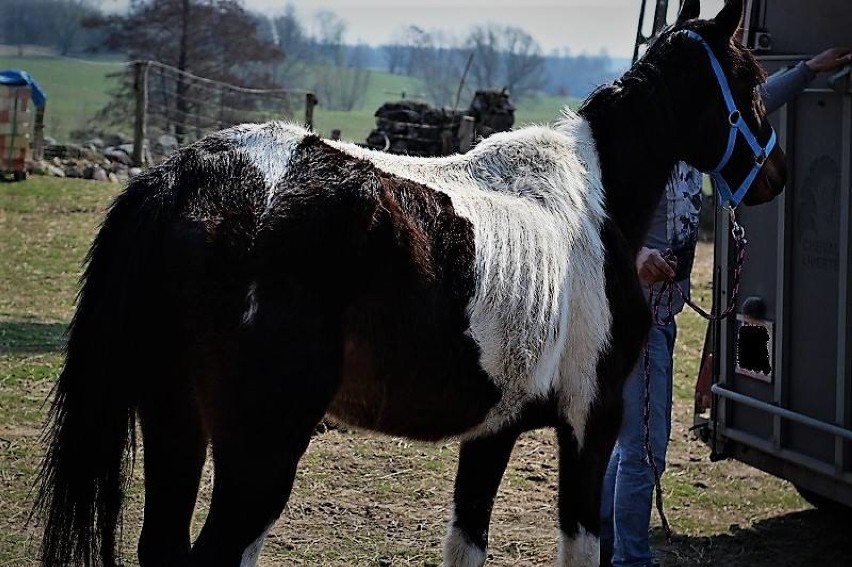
{"x": 653, "y": 267}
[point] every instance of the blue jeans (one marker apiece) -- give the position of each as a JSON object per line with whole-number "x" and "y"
{"x": 629, "y": 481}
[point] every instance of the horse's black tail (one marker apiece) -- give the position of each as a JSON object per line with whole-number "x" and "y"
{"x": 90, "y": 433}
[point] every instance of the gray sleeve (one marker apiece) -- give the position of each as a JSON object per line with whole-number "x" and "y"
{"x": 781, "y": 88}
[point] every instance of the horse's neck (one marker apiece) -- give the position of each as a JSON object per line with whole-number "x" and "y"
{"x": 635, "y": 143}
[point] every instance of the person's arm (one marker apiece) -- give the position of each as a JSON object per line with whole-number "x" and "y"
{"x": 781, "y": 88}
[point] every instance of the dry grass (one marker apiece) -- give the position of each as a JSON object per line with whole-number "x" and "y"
{"x": 362, "y": 499}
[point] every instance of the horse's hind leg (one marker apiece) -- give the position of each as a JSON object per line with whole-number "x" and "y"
{"x": 482, "y": 463}
{"x": 175, "y": 450}
{"x": 263, "y": 412}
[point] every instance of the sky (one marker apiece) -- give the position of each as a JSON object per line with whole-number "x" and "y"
{"x": 589, "y": 26}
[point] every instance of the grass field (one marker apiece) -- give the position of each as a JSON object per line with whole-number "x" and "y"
{"x": 362, "y": 499}
{"x": 77, "y": 89}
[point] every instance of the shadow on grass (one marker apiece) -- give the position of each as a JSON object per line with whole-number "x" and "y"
{"x": 25, "y": 337}
{"x": 804, "y": 538}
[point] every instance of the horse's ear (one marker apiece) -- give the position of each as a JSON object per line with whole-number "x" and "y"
{"x": 728, "y": 18}
{"x": 689, "y": 10}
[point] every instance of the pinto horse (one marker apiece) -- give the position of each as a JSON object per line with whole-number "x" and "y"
{"x": 264, "y": 277}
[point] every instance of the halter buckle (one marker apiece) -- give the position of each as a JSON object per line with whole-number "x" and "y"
{"x": 734, "y": 117}
{"x": 737, "y": 229}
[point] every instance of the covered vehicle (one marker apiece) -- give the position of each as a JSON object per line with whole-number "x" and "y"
{"x": 779, "y": 372}
{"x": 17, "y": 122}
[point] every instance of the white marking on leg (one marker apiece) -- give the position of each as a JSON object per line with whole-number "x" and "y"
{"x": 252, "y": 552}
{"x": 458, "y": 549}
{"x": 580, "y": 550}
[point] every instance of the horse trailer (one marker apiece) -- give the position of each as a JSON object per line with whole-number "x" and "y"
{"x": 781, "y": 367}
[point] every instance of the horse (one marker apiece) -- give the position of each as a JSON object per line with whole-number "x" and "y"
{"x": 264, "y": 277}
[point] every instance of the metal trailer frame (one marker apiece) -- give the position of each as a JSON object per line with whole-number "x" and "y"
{"x": 794, "y": 419}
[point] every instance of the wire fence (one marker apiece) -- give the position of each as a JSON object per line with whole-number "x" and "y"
{"x": 174, "y": 108}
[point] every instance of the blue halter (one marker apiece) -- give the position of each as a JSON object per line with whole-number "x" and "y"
{"x": 738, "y": 124}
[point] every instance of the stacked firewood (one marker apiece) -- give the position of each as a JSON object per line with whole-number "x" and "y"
{"x": 416, "y": 128}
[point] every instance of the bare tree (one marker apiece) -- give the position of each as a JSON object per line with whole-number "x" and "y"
{"x": 291, "y": 38}
{"x": 65, "y": 22}
{"x": 524, "y": 62}
{"x": 506, "y": 56}
{"x": 395, "y": 55}
{"x": 438, "y": 61}
{"x": 344, "y": 87}
{"x": 212, "y": 38}
{"x": 487, "y": 67}
{"x": 49, "y": 23}
{"x": 329, "y": 33}
{"x": 216, "y": 39}
{"x": 399, "y": 54}
{"x": 18, "y": 18}
{"x": 342, "y": 76}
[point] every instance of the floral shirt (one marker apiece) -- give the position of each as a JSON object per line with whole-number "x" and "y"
{"x": 675, "y": 223}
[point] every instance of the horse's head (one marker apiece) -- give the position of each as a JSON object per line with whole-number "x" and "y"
{"x": 720, "y": 116}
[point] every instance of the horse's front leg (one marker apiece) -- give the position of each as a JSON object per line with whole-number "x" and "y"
{"x": 581, "y": 472}
{"x": 482, "y": 463}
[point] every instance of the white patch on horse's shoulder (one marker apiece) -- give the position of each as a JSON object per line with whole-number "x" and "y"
{"x": 252, "y": 552}
{"x": 539, "y": 313}
{"x": 580, "y": 550}
{"x": 270, "y": 147}
{"x": 459, "y": 551}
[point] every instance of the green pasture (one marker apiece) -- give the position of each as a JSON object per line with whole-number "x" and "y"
{"x": 78, "y": 88}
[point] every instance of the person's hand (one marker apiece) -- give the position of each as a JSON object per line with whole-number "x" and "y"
{"x": 830, "y": 59}
{"x": 652, "y": 267}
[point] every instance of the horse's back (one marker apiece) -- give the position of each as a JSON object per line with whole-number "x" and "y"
{"x": 447, "y": 281}
{"x": 382, "y": 265}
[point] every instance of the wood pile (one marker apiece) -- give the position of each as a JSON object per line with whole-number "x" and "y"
{"x": 416, "y": 128}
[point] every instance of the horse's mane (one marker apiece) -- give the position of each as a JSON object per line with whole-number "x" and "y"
{"x": 636, "y": 127}
{"x": 644, "y": 80}
{"x": 629, "y": 94}
{"x": 625, "y": 116}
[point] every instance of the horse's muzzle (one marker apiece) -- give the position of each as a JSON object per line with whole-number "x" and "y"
{"x": 771, "y": 180}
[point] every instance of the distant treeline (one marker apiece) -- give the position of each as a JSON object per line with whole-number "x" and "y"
{"x": 56, "y": 24}
{"x": 311, "y": 55}
{"x": 564, "y": 74}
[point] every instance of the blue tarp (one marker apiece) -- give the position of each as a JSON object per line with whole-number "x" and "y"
{"x": 18, "y": 78}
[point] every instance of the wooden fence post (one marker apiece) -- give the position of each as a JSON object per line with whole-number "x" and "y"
{"x": 38, "y": 134}
{"x": 466, "y": 133}
{"x": 310, "y": 102}
{"x": 140, "y": 127}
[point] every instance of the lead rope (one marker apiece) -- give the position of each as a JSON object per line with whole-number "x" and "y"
{"x": 649, "y": 451}
{"x": 655, "y": 300}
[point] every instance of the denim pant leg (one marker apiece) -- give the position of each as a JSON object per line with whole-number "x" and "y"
{"x": 607, "y": 497}
{"x": 629, "y": 480}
